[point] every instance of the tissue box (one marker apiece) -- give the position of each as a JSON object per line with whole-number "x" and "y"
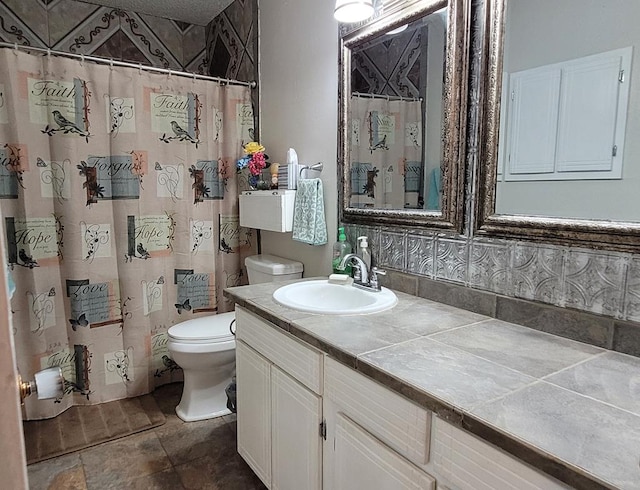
{"x": 267, "y": 210}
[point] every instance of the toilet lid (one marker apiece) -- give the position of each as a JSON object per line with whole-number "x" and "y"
{"x": 212, "y": 328}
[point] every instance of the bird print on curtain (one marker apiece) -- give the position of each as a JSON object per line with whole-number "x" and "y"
{"x": 120, "y": 217}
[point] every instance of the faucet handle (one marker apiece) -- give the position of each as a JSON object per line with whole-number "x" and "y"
{"x": 357, "y": 274}
{"x": 373, "y": 278}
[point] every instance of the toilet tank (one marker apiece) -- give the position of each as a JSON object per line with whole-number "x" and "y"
{"x": 271, "y": 268}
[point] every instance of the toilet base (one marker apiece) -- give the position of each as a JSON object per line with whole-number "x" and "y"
{"x": 204, "y": 396}
{"x": 187, "y": 417}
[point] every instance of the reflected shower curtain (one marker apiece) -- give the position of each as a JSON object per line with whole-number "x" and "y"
{"x": 386, "y": 153}
{"x": 118, "y": 191}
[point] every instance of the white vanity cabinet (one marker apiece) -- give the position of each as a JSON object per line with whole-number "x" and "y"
{"x": 307, "y": 422}
{"x": 358, "y": 460}
{"x": 376, "y": 439}
{"x": 279, "y": 405}
{"x": 462, "y": 461}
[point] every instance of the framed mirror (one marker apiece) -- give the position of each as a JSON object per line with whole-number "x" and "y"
{"x": 402, "y": 110}
{"x": 560, "y": 158}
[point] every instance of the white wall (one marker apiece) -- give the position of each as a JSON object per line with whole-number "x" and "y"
{"x": 436, "y": 41}
{"x": 299, "y": 107}
{"x": 542, "y": 32}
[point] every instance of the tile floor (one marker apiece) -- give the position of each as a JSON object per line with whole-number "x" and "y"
{"x": 173, "y": 456}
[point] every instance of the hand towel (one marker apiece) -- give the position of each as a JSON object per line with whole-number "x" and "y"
{"x": 433, "y": 197}
{"x": 309, "y": 224}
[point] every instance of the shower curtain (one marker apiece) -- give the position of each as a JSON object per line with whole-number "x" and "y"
{"x": 386, "y": 153}
{"x": 119, "y": 196}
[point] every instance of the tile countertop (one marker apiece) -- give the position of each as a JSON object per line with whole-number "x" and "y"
{"x": 567, "y": 408}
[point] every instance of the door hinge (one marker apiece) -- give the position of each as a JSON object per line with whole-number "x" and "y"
{"x": 614, "y": 152}
{"x": 621, "y": 76}
{"x": 513, "y": 95}
{"x": 323, "y": 429}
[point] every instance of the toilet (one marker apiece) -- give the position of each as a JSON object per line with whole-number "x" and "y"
{"x": 204, "y": 347}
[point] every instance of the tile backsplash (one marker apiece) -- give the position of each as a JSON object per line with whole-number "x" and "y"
{"x": 574, "y": 280}
{"x": 606, "y": 283}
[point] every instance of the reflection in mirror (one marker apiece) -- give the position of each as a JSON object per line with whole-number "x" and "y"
{"x": 396, "y": 116}
{"x": 559, "y": 123}
{"x": 568, "y": 132}
{"x": 402, "y": 100}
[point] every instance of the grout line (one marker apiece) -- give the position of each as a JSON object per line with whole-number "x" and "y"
{"x": 451, "y": 329}
{"x": 417, "y": 337}
{"x": 470, "y": 411}
{"x": 635, "y": 414}
{"x": 566, "y": 368}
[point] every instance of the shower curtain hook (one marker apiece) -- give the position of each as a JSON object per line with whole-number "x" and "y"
{"x": 15, "y": 49}
{"x": 140, "y": 68}
{"x": 81, "y": 59}
{"x": 48, "y": 52}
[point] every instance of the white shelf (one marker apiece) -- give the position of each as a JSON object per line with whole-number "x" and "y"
{"x": 267, "y": 210}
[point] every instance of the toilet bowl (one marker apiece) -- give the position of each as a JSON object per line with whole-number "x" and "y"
{"x": 205, "y": 350}
{"x": 204, "y": 347}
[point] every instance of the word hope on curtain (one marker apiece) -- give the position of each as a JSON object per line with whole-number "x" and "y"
{"x": 119, "y": 201}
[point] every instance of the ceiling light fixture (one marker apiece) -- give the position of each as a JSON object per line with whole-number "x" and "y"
{"x": 349, "y": 11}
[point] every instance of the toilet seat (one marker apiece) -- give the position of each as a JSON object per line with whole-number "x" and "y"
{"x": 211, "y": 329}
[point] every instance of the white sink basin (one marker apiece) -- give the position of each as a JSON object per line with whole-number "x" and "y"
{"x": 320, "y": 296}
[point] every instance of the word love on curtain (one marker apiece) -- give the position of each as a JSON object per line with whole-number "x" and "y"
{"x": 120, "y": 205}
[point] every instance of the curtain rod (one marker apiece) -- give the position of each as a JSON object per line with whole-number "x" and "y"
{"x": 386, "y": 97}
{"x": 139, "y": 66}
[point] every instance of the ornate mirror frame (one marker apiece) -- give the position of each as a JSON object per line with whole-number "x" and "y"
{"x": 454, "y": 115}
{"x": 601, "y": 234}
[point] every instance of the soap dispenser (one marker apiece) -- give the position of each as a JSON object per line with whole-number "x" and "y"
{"x": 341, "y": 248}
{"x": 363, "y": 251}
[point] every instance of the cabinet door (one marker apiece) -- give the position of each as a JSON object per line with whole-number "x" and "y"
{"x": 296, "y": 443}
{"x": 359, "y": 460}
{"x": 533, "y": 120}
{"x": 464, "y": 462}
{"x": 254, "y": 410}
{"x": 588, "y": 115}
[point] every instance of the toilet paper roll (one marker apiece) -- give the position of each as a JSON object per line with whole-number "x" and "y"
{"x": 49, "y": 383}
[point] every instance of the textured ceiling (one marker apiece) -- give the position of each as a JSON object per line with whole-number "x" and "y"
{"x": 199, "y": 12}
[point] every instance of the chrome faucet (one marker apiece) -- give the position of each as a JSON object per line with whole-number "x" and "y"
{"x": 363, "y": 277}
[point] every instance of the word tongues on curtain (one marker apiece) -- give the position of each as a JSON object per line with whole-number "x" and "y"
{"x": 120, "y": 206}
